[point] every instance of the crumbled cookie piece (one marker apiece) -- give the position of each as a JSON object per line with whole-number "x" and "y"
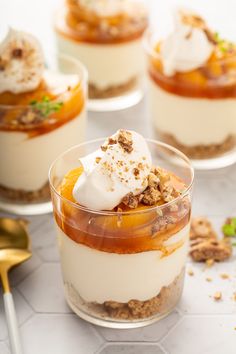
{"x": 125, "y": 140}
{"x": 211, "y": 249}
{"x": 131, "y": 200}
{"x": 152, "y": 194}
{"x": 209, "y": 279}
{"x": 190, "y": 272}
{"x": 204, "y": 245}
{"x": 218, "y": 295}
{"x": 224, "y": 276}
{"x": 112, "y": 141}
{"x": 209, "y": 263}
{"x": 201, "y": 228}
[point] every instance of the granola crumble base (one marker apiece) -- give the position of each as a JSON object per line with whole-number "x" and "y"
{"x": 22, "y": 196}
{"x": 200, "y": 151}
{"x": 112, "y": 91}
{"x": 134, "y": 309}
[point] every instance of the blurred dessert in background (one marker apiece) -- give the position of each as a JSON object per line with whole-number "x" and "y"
{"x": 123, "y": 228}
{"x": 106, "y": 36}
{"x": 192, "y": 88}
{"x": 42, "y": 113}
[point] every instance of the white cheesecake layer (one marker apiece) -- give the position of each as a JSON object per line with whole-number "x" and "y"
{"x": 107, "y": 64}
{"x": 101, "y": 276}
{"x": 25, "y": 161}
{"x": 192, "y": 121}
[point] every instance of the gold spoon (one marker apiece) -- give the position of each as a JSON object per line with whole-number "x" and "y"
{"x": 14, "y": 249}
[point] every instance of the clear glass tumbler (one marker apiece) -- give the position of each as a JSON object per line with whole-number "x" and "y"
{"x": 29, "y": 142}
{"x": 109, "y": 44}
{"x": 123, "y": 269}
{"x": 194, "y": 111}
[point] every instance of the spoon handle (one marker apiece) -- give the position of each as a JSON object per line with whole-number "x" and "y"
{"x": 12, "y": 324}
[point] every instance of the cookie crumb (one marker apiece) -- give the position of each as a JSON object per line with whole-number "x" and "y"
{"x": 130, "y": 200}
{"x": 218, "y": 295}
{"x": 190, "y": 272}
{"x": 204, "y": 245}
{"x": 125, "y": 140}
{"x": 224, "y": 276}
{"x": 209, "y": 279}
{"x": 209, "y": 263}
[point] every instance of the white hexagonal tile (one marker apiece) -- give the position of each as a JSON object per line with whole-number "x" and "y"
{"x": 19, "y": 273}
{"x": 23, "y": 311}
{"x": 44, "y": 240}
{"x": 198, "y": 294}
{"x": 4, "y": 349}
{"x": 43, "y": 289}
{"x": 154, "y": 332}
{"x": 60, "y": 334}
{"x": 205, "y": 335}
{"x": 127, "y": 348}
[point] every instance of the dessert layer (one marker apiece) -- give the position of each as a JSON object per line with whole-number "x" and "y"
{"x": 108, "y": 65}
{"x": 132, "y": 310}
{"x": 21, "y": 195}
{"x": 112, "y": 91}
{"x": 86, "y": 26}
{"x": 101, "y": 276}
{"x": 192, "y": 121}
{"x": 58, "y": 99}
{"x": 201, "y": 151}
{"x": 25, "y": 161}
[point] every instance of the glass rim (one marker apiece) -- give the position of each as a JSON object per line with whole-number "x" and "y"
{"x": 83, "y": 77}
{"x": 124, "y": 213}
{"x": 149, "y": 49}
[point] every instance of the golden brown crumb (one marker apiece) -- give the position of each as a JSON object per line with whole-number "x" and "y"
{"x": 201, "y": 228}
{"x": 218, "y": 295}
{"x": 190, "y": 272}
{"x": 209, "y": 279}
{"x": 125, "y": 140}
{"x": 130, "y": 200}
{"x": 224, "y": 276}
{"x": 209, "y": 263}
{"x": 98, "y": 159}
{"x": 204, "y": 245}
{"x": 210, "y": 251}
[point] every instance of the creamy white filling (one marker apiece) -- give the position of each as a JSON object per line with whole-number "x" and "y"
{"x": 100, "y": 276}
{"x": 192, "y": 121}
{"x": 25, "y": 161}
{"x": 108, "y": 64}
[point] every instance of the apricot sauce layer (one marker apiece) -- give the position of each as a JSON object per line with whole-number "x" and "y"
{"x": 130, "y": 233}
{"x": 83, "y": 26}
{"x": 216, "y": 79}
{"x": 15, "y": 106}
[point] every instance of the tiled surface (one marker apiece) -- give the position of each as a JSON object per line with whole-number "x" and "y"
{"x": 199, "y": 325}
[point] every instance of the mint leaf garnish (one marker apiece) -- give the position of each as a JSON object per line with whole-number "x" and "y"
{"x": 46, "y": 106}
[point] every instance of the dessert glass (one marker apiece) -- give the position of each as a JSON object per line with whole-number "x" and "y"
{"x": 110, "y": 48}
{"x": 194, "y": 111}
{"x": 28, "y": 149}
{"x": 123, "y": 269}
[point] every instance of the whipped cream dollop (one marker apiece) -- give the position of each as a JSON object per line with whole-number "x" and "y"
{"x": 21, "y": 62}
{"x": 186, "y": 48}
{"x": 108, "y": 8}
{"x": 121, "y": 166}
